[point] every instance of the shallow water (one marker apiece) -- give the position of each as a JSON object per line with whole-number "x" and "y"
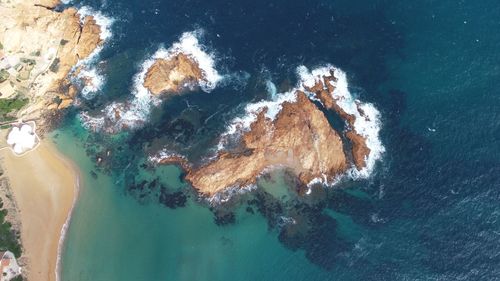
{"x": 430, "y": 212}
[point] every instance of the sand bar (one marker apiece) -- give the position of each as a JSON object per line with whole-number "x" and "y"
{"x": 44, "y": 185}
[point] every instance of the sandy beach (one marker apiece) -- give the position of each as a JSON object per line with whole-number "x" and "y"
{"x": 44, "y": 185}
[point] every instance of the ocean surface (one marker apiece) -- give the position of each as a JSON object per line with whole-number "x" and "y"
{"x": 429, "y": 211}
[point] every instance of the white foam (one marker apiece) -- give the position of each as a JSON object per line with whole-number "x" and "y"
{"x": 90, "y": 122}
{"x": 135, "y": 112}
{"x": 323, "y": 179}
{"x": 228, "y": 193}
{"x": 271, "y": 89}
{"x": 242, "y": 123}
{"x": 189, "y": 45}
{"x": 367, "y": 117}
{"x": 103, "y": 21}
{"x": 87, "y": 71}
{"x": 22, "y": 139}
{"x": 130, "y": 114}
{"x": 164, "y": 154}
{"x": 92, "y": 82}
{"x": 64, "y": 230}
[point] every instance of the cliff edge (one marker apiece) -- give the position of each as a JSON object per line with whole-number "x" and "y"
{"x": 39, "y": 46}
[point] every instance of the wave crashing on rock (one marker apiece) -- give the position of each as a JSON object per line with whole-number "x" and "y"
{"x": 292, "y": 132}
{"x": 183, "y": 67}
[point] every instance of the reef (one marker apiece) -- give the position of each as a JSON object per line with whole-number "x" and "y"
{"x": 40, "y": 46}
{"x": 299, "y": 138}
{"x": 174, "y": 75}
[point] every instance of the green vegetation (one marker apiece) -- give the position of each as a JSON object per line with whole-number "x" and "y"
{"x": 18, "y": 278}
{"x": 1, "y": 46}
{"x": 54, "y": 67}
{"x": 63, "y": 42}
{"x": 28, "y": 61}
{"x": 9, "y": 240}
{"x": 4, "y": 75}
{"x": 10, "y": 105}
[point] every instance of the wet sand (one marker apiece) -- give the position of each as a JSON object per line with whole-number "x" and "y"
{"x": 44, "y": 185}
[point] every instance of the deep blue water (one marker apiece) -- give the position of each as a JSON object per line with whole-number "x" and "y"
{"x": 430, "y": 212}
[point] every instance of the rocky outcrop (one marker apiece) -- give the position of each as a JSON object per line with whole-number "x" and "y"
{"x": 323, "y": 90}
{"x": 299, "y": 139}
{"x": 41, "y": 46}
{"x": 173, "y": 75}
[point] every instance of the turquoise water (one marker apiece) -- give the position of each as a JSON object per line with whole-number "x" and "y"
{"x": 430, "y": 212}
{"x": 113, "y": 237}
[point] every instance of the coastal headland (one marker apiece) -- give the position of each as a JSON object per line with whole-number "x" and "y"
{"x": 39, "y": 48}
{"x": 43, "y": 49}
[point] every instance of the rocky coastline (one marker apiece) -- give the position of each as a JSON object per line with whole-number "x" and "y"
{"x": 43, "y": 48}
{"x": 40, "y": 47}
{"x": 174, "y": 75}
{"x": 299, "y": 139}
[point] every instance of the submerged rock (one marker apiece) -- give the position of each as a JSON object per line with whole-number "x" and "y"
{"x": 172, "y": 200}
{"x": 224, "y": 218}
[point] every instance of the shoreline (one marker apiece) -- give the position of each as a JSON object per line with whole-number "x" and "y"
{"x": 45, "y": 201}
{"x": 65, "y": 227}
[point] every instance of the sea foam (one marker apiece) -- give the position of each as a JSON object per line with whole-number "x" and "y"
{"x": 165, "y": 154}
{"x": 367, "y": 117}
{"x": 189, "y": 45}
{"x": 93, "y": 82}
{"x": 93, "y": 77}
{"x": 242, "y": 123}
{"x": 135, "y": 112}
{"x": 102, "y": 20}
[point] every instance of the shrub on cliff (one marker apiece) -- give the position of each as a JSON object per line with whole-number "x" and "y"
{"x": 9, "y": 239}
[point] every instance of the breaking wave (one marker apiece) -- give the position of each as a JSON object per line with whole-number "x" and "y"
{"x": 165, "y": 154}
{"x": 93, "y": 81}
{"x": 102, "y": 20}
{"x": 367, "y": 117}
{"x": 87, "y": 75}
{"x": 189, "y": 45}
{"x": 135, "y": 112}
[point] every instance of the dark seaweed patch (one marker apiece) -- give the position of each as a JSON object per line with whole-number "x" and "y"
{"x": 172, "y": 200}
{"x": 224, "y": 218}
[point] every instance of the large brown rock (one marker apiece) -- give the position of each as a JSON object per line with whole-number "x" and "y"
{"x": 89, "y": 37}
{"x": 174, "y": 75}
{"x": 299, "y": 139}
{"x": 323, "y": 90}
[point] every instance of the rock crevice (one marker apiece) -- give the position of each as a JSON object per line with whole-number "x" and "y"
{"x": 299, "y": 139}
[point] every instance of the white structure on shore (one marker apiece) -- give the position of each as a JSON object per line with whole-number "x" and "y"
{"x": 8, "y": 266}
{"x": 22, "y": 138}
